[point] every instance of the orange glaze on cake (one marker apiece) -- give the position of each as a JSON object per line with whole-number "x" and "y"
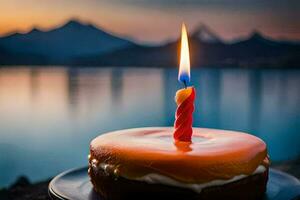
{"x": 213, "y": 154}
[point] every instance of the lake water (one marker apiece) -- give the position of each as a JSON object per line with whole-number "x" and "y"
{"x": 48, "y": 116}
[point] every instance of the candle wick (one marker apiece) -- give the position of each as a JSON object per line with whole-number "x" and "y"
{"x": 184, "y": 82}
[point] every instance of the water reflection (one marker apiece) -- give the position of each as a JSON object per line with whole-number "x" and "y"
{"x": 116, "y": 86}
{"x": 49, "y": 115}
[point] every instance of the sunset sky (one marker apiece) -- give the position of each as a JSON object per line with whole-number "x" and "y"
{"x": 157, "y": 20}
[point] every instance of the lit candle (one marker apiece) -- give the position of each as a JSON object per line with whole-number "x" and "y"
{"x": 184, "y": 97}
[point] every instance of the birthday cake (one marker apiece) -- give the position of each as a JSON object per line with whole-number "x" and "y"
{"x": 148, "y": 163}
{"x": 179, "y": 162}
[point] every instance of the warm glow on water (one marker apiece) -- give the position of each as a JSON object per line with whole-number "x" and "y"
{"x": 48, "y": 116}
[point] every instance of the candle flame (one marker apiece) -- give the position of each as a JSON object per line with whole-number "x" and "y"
{"x": 184, "y": 67}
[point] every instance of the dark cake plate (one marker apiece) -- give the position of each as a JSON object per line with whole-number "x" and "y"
{"x": 75, "y": 185}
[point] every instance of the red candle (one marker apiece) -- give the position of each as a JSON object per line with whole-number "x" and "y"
{"x": 185, "y": 97}
{"x": 184, "y": 114}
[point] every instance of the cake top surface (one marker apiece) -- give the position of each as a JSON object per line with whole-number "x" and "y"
{"x": 212, "y": 154}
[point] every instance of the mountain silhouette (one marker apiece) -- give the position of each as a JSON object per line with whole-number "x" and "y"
{"x": 205, "y": 34}
{"x": 255, "y": 51}
{"x": 9, "y": 58}
{"x": 76, "y": 43}
{"x": 69, "y": 40}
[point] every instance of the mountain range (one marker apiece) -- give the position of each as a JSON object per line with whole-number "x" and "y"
{"x": 76, "y": 43}
{"x": 61, "y": 44}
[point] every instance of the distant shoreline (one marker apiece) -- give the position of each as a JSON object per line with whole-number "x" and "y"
{"x": 149, "y": 67}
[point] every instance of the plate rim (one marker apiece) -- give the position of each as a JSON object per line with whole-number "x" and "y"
{"x": 51, "y": 192}
{"x": 55, "y": 196}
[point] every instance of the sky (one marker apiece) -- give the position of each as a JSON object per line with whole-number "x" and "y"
{"x": 157, "y": 20}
